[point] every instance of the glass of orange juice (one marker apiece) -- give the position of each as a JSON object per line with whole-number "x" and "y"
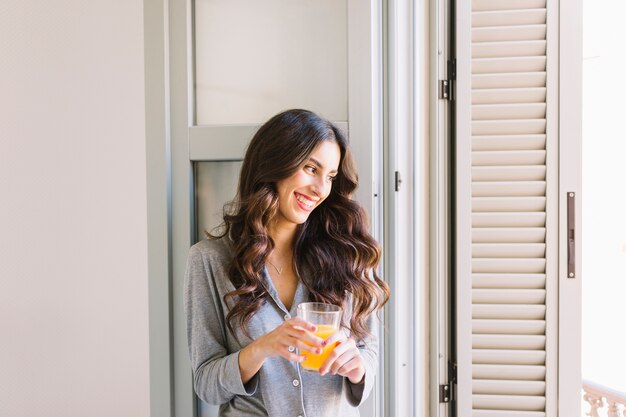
{"x": 327, "y": 318}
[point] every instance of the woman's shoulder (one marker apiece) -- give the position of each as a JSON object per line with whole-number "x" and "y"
{"x": 212, "y": 250}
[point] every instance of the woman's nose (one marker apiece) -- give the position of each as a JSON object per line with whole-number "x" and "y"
{"x": 322, "y": 186}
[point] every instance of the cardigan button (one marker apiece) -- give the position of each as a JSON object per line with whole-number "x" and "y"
{"x": 296, "y": 382}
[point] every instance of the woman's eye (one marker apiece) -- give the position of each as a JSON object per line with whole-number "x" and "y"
{"x": 310, "y": 168}
{"x": 331, "y": 178}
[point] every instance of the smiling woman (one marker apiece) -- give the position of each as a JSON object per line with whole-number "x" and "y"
{"x": 293, "y": 212}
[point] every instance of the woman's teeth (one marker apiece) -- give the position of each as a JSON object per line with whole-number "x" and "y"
{"x": 305, "y": 201}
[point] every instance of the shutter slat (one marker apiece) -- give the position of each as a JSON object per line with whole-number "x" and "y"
{"x": 499, "y": 158}
{"x": 508, "y": 204}
{"x": 514, "y": 265}
{"x": 509, "y": 33}
{"x": 507, "y": 413}
{"x": 509, "y": 95}
{"x": 510, "y": 80}
{"x": 509, "y": 173}
{"x": 495, "y": 219}
{"x": 508, "y": 341}
{"x": 509, "y": 188}
{"x": 490, "y": 5}
{"x": 488, "y": 386}
{"x": 511, "y": 64}
{"x": 509, "y": 235}
{"x": 510, "y": 357}
{"x": 507, "y": 49}
{"x": 529, "y": 327}
{"x": 509, "y": 312}
{"x": 509, "y": 143}
{"x": 506, "y": 297}
{"x": 508, "y": 111}
{"x": 509, "y": 17}
{"x": 507, "y": 372}
{"x": 502, "y": 281}
{"x": 509, "y": 127}
{"x": 509, "y": 402}
{"x": 499, "y": 250}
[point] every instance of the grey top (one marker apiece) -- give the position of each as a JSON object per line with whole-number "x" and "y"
{"x": 281, "y": 388}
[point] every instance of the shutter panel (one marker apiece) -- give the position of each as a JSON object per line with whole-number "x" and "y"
{"x": 505, "y": 249}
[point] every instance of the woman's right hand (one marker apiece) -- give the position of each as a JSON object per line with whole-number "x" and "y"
{"x": 294, "y": 333}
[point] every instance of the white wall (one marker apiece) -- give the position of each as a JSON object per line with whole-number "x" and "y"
{"x": 73, "y": 262}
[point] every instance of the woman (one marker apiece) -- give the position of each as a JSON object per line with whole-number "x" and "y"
{"x": 292, "y": 235}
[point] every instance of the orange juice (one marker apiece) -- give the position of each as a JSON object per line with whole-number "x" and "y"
{"x": 313, "y": 362}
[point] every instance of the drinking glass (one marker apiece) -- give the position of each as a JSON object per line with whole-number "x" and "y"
{"x": 327, "y": 318}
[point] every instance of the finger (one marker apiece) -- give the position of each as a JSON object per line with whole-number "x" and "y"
{"x": 349, "y": 366}
{"x": 290, "y": 354}
{"x": 298, "y": 322}
{"x": 339, "y": 350}
{"x": 342, "y": 361}
{"x": 339, "y": 336}
{"x": 305, "y": 336}
{"x": 305, "y": 347}
{"x": 293, "y": 357}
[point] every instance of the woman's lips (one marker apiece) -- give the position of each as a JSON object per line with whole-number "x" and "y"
{"x": 304, "y": 202}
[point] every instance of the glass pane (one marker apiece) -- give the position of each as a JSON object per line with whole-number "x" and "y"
{"x": 604, "y": 195}
{"x": 256, "y": 58}
{"x": 216, "y": 184}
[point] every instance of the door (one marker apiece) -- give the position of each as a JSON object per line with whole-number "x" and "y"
{"x": 517, "y": 211}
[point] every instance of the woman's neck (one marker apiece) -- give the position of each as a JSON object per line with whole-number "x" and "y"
{"x": 283, "y": 237}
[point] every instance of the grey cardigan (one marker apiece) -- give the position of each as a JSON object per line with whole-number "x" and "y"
{"x": 281, "y": 388}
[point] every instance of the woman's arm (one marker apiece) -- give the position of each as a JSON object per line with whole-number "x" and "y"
{"x": 216, "y": 372}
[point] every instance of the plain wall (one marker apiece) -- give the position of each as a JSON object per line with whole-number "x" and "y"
{"x": 73, "y": 257}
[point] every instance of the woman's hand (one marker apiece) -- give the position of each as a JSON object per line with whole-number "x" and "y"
{"x": 345, "y": 359}
{"x": 283, "y": 341}
{"x": 292, "y": 334}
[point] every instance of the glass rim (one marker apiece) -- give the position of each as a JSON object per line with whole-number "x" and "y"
{"x": 315, "y": 307}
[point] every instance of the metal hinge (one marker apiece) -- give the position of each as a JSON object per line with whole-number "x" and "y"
{"x": 444, "y": 393}
{"x": 398, "y": 181}
{"x": 447, "y": 391}
{"x": 446, "y": 87}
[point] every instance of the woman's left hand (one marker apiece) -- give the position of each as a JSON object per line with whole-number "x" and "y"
{"x": 345, "y": 359}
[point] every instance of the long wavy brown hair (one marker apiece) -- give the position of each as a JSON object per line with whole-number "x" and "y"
{"x": 334, "y": 241}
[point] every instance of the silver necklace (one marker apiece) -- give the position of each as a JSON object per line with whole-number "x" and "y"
{"x": 279, "y": 270}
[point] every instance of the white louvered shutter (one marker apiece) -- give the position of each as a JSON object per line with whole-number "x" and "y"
{"x": 507, "y": 254}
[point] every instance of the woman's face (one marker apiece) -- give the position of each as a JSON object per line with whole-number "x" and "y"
{"x": 305, "y": 189}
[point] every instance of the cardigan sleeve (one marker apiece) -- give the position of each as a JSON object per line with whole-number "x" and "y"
{"x": 358, "y": 393}
{"x": 216, "y": 373}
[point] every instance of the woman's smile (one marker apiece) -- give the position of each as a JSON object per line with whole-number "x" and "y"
{"x": 305, "y": 202}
